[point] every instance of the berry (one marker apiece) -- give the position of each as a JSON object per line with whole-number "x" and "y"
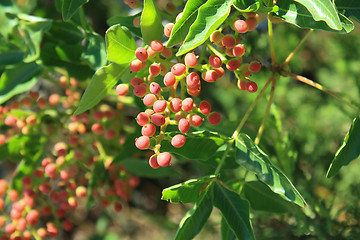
{"x": 149, "y": 99}
{"x": 155, "y": 88}
{"x": 160, "y": 106}
{"x": 166, "y": 52}
{"x": 178, "y": 140}
{"x": 255, "y": 66}
{"x": 142, "y": 142}
{"x": 251, "y": 23}
{"x": 153, "y": 162}
{"x": 32, "y": 217}
{"x": 156, "y": 46}
{"x": 240, "y": 26}
{"x": 10, "y": 120}
{"x": 122, "y": 89}
{"x": 242, "y": 84}
{"x": 205, "y": 107}
{"x": 190, "y": 60}
{"x": 140, "y": 90}
{"x": 168, "y": 28}
{"x": 135, "y": 65}
{"x": 228, "y": 41}
{"x": 214, "y": 118}
{"x": 216, "y": 37}
{"x": 97, "y": 128}
{"x": 169, "y": 79}
{"x": 148, "y": 129}
{"x": 158, "y": 119}
{"x": 136, "y": 22}
{"x": 163, "y": 159}
{"x": 251, "y": 86}
{"x": 192, "y": 80}
{"x": 215, "y": 61}
{"x": 238, "y": 50}
{"x": 210, "y": 76}
{"x": 67, "y": 225}
{"x": 141, "y": 54}
{"x": 187, "y": 104}
{"x": 54, "y": 99}
{"x": 13, "y": 195}
{"x": 154, "y": 69}
{"x": 142, "y": 119}
{"x": 136, "y": 81}
{"x": 175, "y": 105}
{"x": 196, "y": 120}
{"x": 178, "y": 69}
{"x": 233, "y": 64}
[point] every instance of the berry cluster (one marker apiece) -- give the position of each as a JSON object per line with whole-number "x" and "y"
{"x": 159, "y": 75}
{"x": 73, "y": 165}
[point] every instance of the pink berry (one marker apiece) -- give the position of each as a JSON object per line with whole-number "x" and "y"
{"x": 184, "y": 125}
{"x": 215, "y": 61}
{"x": 220, "y": 72}
{"x": 255, "y": 66}
{"x": 149, "y": 99}
{"x": 196, "y": 120}
{"x": 240, "y": 26}
{"x": 160, "y": 106}
{"x": 233, "y": 64}
{"x": 166, "y": 52}
{"x": 142, "y": 142}
{"x": 205, "y": 107}
{"x": 228, "y": 41}
{"x": 251, "y": 86}
{"x": 122, "y": 89}
{"x": 97, "y": 128}
{"x": 142, "y": 119}
{"x": 214, "y": 118}
{"x": 239, "y": 50}
{"x": 10, "y": 120}
{"x": 242, "y": 84}
{"x": 148, "y": 129}
{"x": 175, "y": 105}
{"x": 187, "y": 104}
{"x": 168, "y": 28}
{"x": 141, "y": 54}
{"x": 169, "y": 79}
{"x": 155, "y": 88}
{"x": 190, "y": 60}
{"x": 156, "y": 46}
{"x": 158, "y": 119}
{"x": 136, "y": 81}
{"x": 216, "y": 37}
{"x": 178, "y": 140}
{"x": 178, "y": 69}
{"x": 136, "y": 22}
{"x": 163, "y": 159}
{"x": 135, "y": 65}
{"x": 154, "y": 69}
{"x": 32, "y": 217}
{"x": 210, "y": 76}
{"x": 153, "y": 162}
{"x": 192, "y": 80}
{"x": 140, "y": 90}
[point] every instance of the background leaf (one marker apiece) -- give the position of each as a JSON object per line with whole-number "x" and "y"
{"x": 226, "y": 232}
{"x": 247, "y": 5}
{"x": 235, "y": 210}
{"x": 126, "y": 21}
{"x": 150, "y": 23}
{"x": 351, "y": 8}
{"x": 209, "y": 18}
{"x": 253, "y": 159}
{"x": 349, "y": 150}
{"x": 95, "y": 51}
{"x": 69, "y": 7}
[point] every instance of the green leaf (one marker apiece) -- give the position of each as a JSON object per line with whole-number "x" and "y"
{"x": 186, "y": 192}
{"x": 196, "y": 217}
{"x": 65, "y": 32}
{"x": 11, "y": 57}
{"x": 209, "y": 18}
{"x": 226, "y": 232}
{"x": 253, "y": 159}
{"x": 199, "y": 145}
{"x": 235, "y": 210}
{"x": 101, "y": 83}
{"x": 182, "y": 26}
{"x": 96, "y": 176}
{"x": 261, "y": 198}
{"x": 95, "y": 51}
{"x": 297, "y": 14}
{"x": 247, "y": 5}
{"x": 150, "y": 23}
{"x": 349, "y": 150}
{"x": 127, "y": 22}
{"x": 142, "y": 168}
{"x": 349, "y": 8}
{"x": 120, "y": 45}
{"x": 69, "y": 7}
{"x": 18, "y": 79}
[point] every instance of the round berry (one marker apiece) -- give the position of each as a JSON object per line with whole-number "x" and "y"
{"x": 178, "y": 69}
{"x": 32, "y": 217}
{"x": 228, "y": 41}
{"x": 187, "y": 104}
{"x": 142, "y": 119}
{"x": 205, "y": 107}
{"x": 190, "y": 60}
{"x": 149, "y": 99}
{"x": 233, "y": 64}
{"x": 196, "y": 120}
{"x": 163, "y": 159}
{"x": 216, "y": 37}
{"x": 97, "y": 128}
{"x": 156, "y": 46}
{"x": 255, "y": 66}
{"x": 169, "y": 79}
{"x": 142, "y": 142}
{"x": 175, "y": 105}
{"x": 136, "y": 22}
{"x": 168, "y": 28}
{"x": 158, "y": 119}
{"x": 140, "y": 90}
{"x": 251, "y": 23}
{"x": 154, "y": 69}
{"x": 214, "y": 118}
{"x": 153, "y": 162}
{"x": 148, "y": 129}
{"x": 122, "y": 89}
{"x": 240, "y": 26}
{"x": 251, "y": 86}
{"x": 178, "y": 140}
{"x": 242, "y": 84}
{"x": 210, "y": 76}
{"x": 192, "y": 80}
{"x": 135, "y": 65}
{"x": 239, "y": 50}
{"x": 136, "y": 81}
{"x": 215, "y": 61}
{"x": 160, "y": 106}
{"x": 166, "y": 52}
{"x": 141, "y": 54}
{"x": 155, "y": 88}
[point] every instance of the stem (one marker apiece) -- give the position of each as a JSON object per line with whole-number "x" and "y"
{"x": 271, "y": 42}
{"x": 287, "y": 60}
{"x": 321, "y": 88}
{"x": 216, "y": 52}
{"x": 101, "y": 149}
{"x": 251, "y": 108}
{"x": 222, "y": 161}
{"x": 262, "y": 126}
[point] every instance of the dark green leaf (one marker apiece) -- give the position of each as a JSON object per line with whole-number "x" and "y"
{"x": 349, "y": 8}
{"x": 126, "y": 22}
{"x": 150, "y": 23}
{"x": 226, "y": 232}
{"x": 196, "y": 217}
{"x": 95, "y": 51}
{"x": 120, "y": 45}
{"x": 349, "y": 150}
{"x": 186, "y": 192}
{"x": 101, "y": 83}
{"x": 253, "y": 159}
{"x": 235, "y": 210}
{"x": 11, "y": 57}
{"x": 69, "y": 7}
{"x": 182, "y": 26}
{"x": 209, "y": 18}
{"x": 142, "y": 168}
{"x": 199, "y": 145}
{"x": 65, "y": 32}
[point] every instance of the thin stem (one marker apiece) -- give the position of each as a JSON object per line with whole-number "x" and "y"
{"x": 101, "y": 149}
{"x": 271, "y": 42}
{"x": 216, "y": 52}
{"x": 321, "y": 88}
{"x": 262, "y": 126}
{"x": 251, "y": 108}
{"x": 222, "y": 161}
{"x": 287, "y": 60}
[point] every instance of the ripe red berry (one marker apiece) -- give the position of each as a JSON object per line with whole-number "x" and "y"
{"x": 187, "y": 104}
{"x": 251, "y": 86}
{"x": 159, "y": 106}
{"x": 153, "y": 162}
{"x": 148, "y": 129}
{"x": 32, "y": 217}
{"x": 140, "y": 90}
{"x": 67, "y": 225}
{"x": 196, "y": 120}
{"x": 156, "y": 46}
{"x": 135, "y": 65}
{"x": 190, "y": 60}
{"x": 215, "y": 61}
{"x": 97, "y": 128}
{"x": 233, "y": 64}
{"x": 214, "y": 118}
{"x": 168, "y": 28}
{"x": 155, "y": 88}
{"x": 240, "y": 26}
{"x": 239, "y": 50}
{"x": 2, "y": 139}
{"x": 228, "y": 41}
{"x": 142, "y": 119}
{"x": 251, "y": 23}
{"x": 210, "y": 76}
{"x": 142, "y": 142}
{"x": 154, "y": 69}
{"x": 163, "y": 159}
{"x": 255, "y": 66}
{"x": 136, "y": 81}
{"x": 205, "y": 107}
{"x": 169, "y": 79}
{"x": 192, "y": 80}
{"x": 141, "y": 54}
{"x": 158, "y": 119}
{"x": 242, "y": 84}
{"x": 10, "y": 120}
{"x": 184, "y": 125}
{"x": 178, "y": 69}
{"x": 149, "y": 99}
{"x": 10, "y": 228}
{"x": 166, "y": 52}
{"x": 175, "y": 105}
{"x": 122, "y": 89}
{"x": 178, "y": 140}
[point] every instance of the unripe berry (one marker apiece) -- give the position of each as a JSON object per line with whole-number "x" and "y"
{"x": 175, "y": 105}
{"x": 196, "y": 120}
{"x": 142, "y": 142}
{"x": 214, "y": 118}
{"x": 187, "y": 104}
{"x": 160, "y": 106}
{"x": 135, "y": 65}
{"x": 215, "y": 61}
{"x": 148, "y": 129}
{"x": 122, "y": 89}
{"x": 154, "y": 69}
{"x": 233, "y": 64}
{"x": 169, "y": 79}
{"x": 239, "y": 50}
{"x": 168, "y": 28}
{"x": 153, "y": 162}
{"x": 149, "y": 99}
{"x": 190, "y": 60}
{"x": 192, "y": 80}
{"x": 156, "y": 46}
{"x": 178, "y": 69}
{"x": 163, "y": 159}
{"x": 81, "y": 191}
{"x": 255, "y": 66}
{"x": 251, "y": 86}
{"x": 136, "y": 81}
{"x": 155, "y": 88}
{"x": 228, "y": 41}
{"x": 142, "y": 119}
{"x": 205, "y": 107}
{"x": 180, "y": 14}
{"x": 141, "y": 54}
{"x": 140, "y": 90}
{"x": 158, "y": 119}
{"x": 178, "y": 140}
{"x": 240, "y": 26}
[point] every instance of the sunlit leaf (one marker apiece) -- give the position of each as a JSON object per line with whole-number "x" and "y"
{"x": 94, "y": 51}
{"x": 150, "y": 23}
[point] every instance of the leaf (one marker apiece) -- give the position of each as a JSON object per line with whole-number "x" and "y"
{"x": 142, "y": 169}
{"x": 150, "y": 23}
{"x": 235, "y": 210}
{"x": 101, "y": 83}
{"x": 127, "y": 22}
{"x": 95, "y": 177}
{"x": 95, "y": 51}
{"x": 11, "y": 57}
{"x": 69, "y": 7}
{"x": 186, "y": 192}
{"x": 226, "y": 232}
{"x": 181, "y": 27}
{"x": 247, "y": 5}
{"x": 199, "y": 145}
{"x": 196, "y": 217}
{"x": 349, "y": 8}
{"x": 253, "y": 159}
{"x": 349, "y": 150}
{"x": 65, "y": 32}
{"x": 18, "y": 79}
{"x": 210, "y": 16}
{"x": 297, "y": 14}
{"x": 261, "y": 198}
{"x": 120, "y": 45}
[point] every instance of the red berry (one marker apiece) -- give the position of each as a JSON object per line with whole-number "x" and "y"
{"x": 178, "y": 140}
{"x": 135, "y": 65}
{"x": 210, "y": 76}
{"x": 10, "y": 120}
{"x": 142, "y": 142}
{"x": 136, "y": 81}
{"x": 220, "y": 72}
{"x": 242, "y": 84}
{"x": 205, "y": 107}
{"x": 67, "y": 225}
{"x": 156, "y": 46}
{"x": 10, "y": 228}
{"x": 175, "y": 105}
{"x": 178, "y": 69}
{"x": 187, "y": 104}
{"x": 158, "y": 119}
{"x": 117, "y": 207}
{"x": 163, "y": 159}
{"x": 240, "y": 26}
{"x": 149, "y": 99}
{"x": 166, "y": 52}
{"x": 196, "y": 120}
{"x": 32, "y": 217}
{"x": 233, "y": 64}
{"x": 228, "y": 41}
{"x": 251, "y": 23}
{"x": 141, "y": 54}
{"x": 192, "y": 80}
{"x": 190, "y": 60}
{"x": 239, "y": 50}
{"x": 168, "y": 28}
{"x": 136, "y": 22}
{"x": 154, "y": 69}
{"x": 153, "y": 162}
{"x": 97, "y": 128}
{"x": 122, "y": 89}
{"x": 184, "y": 125}
{"x": 251, "y": 86}
{"x": 142, "y": 119}
{"x": 155, "y": 88}
{"x": 214, "y": 118}
{"x": 215, "y": 61}
{"x": 54, "y": 99}
{"x": 148, "y": 129}
{"x": 140, "y": 90}
{"x": 255, "y": 66}
{"x": 160, "y": 106}
{"x": 169, "y": 79}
